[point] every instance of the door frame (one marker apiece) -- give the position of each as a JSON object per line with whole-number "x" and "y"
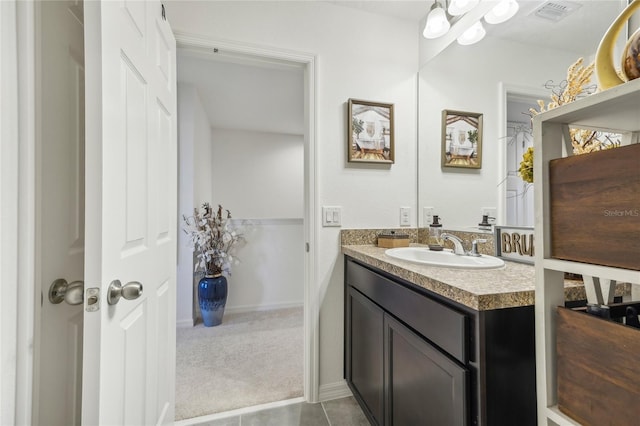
{"x": 18, "y": 196}
{"x": 311, "y": 304}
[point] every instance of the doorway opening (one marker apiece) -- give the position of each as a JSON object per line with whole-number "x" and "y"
{"x": 519, "y": 196}
{"x": 515, "y": 196}
{"x": 245, "y": 122}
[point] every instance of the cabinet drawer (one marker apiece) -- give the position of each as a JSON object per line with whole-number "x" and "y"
{"x": 443, "y": 326}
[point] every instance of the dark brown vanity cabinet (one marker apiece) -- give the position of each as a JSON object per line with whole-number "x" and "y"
{"x": 414, "y": 358}
{"x": 425, "y": 387}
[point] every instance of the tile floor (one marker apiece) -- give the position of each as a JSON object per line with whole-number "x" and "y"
{"x": 337, "y": 412}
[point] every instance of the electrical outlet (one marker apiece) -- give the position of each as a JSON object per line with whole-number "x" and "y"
{"x": 405, "y": 216}
{"x": 331, "y": 216}
{"x": 427, "y": 215}
{"x": 489, "y": 211}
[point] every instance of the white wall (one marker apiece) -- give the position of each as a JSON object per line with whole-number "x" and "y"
{"x": 271, "y": 270}
{"x": 467, "y": 78}
{"x": 194, "y": 152}
{"x": 359, "y": 55}
{"x": 261, "y": 175}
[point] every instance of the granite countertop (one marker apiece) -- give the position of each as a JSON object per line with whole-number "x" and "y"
{"x": 511, "y": 286}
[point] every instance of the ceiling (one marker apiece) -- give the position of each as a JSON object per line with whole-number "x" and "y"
{"x": 234, "y": 102}
{"x": 247, "y": 93}
{"x": 578, "y": 32}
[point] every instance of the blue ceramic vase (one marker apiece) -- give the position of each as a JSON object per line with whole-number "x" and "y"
{"x": 212, "y": 298}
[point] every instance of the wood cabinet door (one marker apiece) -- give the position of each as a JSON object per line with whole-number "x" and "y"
{"x": 364, "y": 363}
{"x": 424, "y": 386}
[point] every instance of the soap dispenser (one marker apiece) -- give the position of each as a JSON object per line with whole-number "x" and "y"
{"x": 435, "y": 231}
{"x": 485, "y": 225}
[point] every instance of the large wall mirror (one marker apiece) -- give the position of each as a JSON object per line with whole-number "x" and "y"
{"x": 500, "y": 77}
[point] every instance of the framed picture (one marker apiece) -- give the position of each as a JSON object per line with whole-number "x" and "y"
{"x": 461, "y": 139}
{"x": 370, "y": 133}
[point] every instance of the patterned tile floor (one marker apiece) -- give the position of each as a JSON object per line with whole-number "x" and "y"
{"x": 337, "y": 412}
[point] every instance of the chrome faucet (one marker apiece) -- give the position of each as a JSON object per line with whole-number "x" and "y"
{"x": 457, "y": 243}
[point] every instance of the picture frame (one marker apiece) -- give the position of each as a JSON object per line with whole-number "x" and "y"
{"x": 461, "y": 139}
{"x": 370, "y": 134}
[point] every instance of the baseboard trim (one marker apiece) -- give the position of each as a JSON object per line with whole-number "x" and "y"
{"x": 335, "y": 390}
{"x": 186, "y": 323}
{"x": 257, "y": 308}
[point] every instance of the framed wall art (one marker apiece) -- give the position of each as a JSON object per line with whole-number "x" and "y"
{"x": 461, "y": 139}
{"x": 370, "y": 132}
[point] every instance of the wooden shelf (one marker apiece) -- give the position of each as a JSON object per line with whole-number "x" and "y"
{"x": 616, "y": 110}
{"x": 620, "y": 275}
{"x": 554, "y": 414}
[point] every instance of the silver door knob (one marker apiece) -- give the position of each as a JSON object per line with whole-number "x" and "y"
{"x": 72, "y": 293}
{"x": 131, "y": 290}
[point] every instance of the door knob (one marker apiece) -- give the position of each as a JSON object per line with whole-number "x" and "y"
{"x": 72, "y": 293}
{"x": 131, "y": 290}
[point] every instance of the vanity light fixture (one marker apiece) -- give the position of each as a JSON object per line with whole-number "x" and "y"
{"x": 437, "y": 23}
{"x": 502, "y": 12}
{"x": 460, "y": 7}
{"x": 472, "y": 35}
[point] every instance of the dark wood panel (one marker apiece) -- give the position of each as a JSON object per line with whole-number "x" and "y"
{"x": 365, "y": 372}
{"x": 509, "y": 367}
{"x": 598, "y": 369}
{"x": 595, "y": 207}
{"x": 425, "y": 387}
{"x": 440, "y": 324}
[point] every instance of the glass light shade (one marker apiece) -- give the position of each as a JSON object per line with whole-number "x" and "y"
{"x": 460, "y": 7}
{"x": 437, "y": 24}
{"x": 502, "y": 12}
{"x": 473, "y": 34}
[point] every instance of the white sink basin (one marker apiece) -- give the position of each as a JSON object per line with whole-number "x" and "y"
{"x": 444, "y": 258}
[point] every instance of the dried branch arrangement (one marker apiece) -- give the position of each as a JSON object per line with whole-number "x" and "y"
{"x": 214, "y": 237}
{"x": 577, "y": 85}
{"x": 583, "y": 141}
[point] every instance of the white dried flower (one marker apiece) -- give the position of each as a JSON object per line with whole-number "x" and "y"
{"x": 213, "y": 237}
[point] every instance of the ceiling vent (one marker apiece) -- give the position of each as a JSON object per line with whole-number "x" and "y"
{"x": 556, "y": 10}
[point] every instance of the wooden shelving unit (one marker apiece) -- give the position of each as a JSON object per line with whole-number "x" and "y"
{"x": 615, "y": 110}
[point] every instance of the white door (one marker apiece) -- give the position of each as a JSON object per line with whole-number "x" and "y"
{"x": 519, "y": 192}
{"x": 130, "y": 222}
{"x": 60, "y": 207}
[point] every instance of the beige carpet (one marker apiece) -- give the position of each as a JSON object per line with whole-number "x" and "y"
{"x": 250, "y": 359}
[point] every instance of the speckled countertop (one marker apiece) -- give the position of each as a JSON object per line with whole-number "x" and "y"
{"x": 514, "y": 285}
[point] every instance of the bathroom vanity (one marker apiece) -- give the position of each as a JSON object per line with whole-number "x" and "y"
{"x": 438, "y": 346}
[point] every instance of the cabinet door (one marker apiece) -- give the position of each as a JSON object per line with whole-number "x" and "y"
{"x": 425, "y": 387}
{"x": 364, "y": 353}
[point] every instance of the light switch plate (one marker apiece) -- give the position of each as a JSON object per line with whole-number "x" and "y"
{"x": 331, "y": 216}
{"x": 405, "y": 216}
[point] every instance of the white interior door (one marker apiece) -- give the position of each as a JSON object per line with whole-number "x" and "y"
{"x": 130, "y": 232}
{"x": 519, "y": 192}
{"x": 60, "y": 207}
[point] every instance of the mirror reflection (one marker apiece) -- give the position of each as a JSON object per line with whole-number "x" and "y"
{"x": 500, "y": 77}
